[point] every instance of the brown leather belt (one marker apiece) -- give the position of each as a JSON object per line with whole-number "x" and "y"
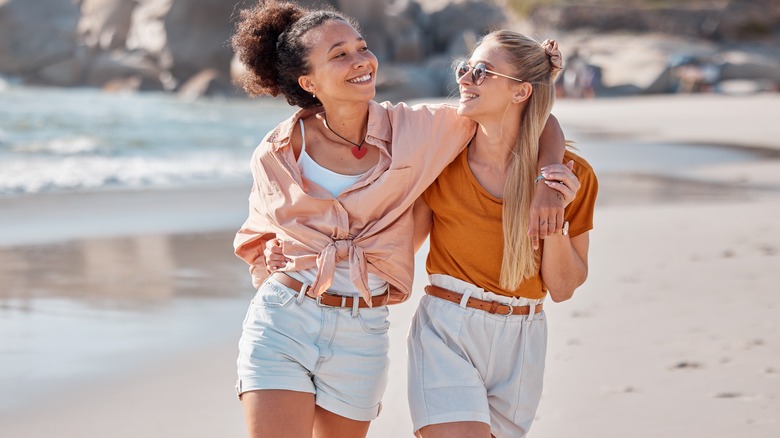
{"x": 330, "y": 300}
{"x": 488, "y": 306}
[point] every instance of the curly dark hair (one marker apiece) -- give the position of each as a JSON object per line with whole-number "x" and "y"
{"x": 269, "y": 42}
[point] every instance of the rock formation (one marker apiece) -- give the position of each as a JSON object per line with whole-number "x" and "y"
{"x": 165, "y": 44}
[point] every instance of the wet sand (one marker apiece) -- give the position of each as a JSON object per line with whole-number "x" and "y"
{"x": 126, "y": 326}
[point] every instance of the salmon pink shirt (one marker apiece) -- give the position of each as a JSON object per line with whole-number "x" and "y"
{"x": 370, "y": 223}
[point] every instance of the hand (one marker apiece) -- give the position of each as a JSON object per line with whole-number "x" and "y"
{"x": 561, "y": 178}
{"x": 274, "y": 258}
{"x": 546, "y": 213}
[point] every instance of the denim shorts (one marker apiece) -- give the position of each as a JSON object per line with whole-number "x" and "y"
{"x": 466, "y": 364}
{"x": 340, "y": 355}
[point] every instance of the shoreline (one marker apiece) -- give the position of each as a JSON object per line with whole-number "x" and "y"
{"x": 741, "y": 120}
{"x": 42, "y": 218}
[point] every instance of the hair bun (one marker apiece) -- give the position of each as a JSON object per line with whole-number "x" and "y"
{"x": 556, "y": 59}
{"x": 255, "y": 43}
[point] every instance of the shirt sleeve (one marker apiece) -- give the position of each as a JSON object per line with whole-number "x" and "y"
{"x": 580, "y": 212}
{"x": 257, "y": 230}
{"x": 427, "y": 137}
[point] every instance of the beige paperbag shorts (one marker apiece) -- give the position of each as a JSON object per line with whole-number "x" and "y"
{"x": 466, "y": 364}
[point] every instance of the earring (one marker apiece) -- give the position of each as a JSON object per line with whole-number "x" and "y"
{"x": 313, "y": 95}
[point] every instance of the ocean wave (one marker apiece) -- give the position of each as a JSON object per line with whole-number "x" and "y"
{"x": 61, "y": 140}
{"x": 51, "y": 174}
{"x": 60, "y": 146}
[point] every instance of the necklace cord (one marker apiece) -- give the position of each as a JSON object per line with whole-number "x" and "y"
{"x": 357, "y": 145}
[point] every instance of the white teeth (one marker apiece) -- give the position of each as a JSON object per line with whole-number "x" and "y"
{"x": 468, "y": 95}
{"x": 360, "y": 79}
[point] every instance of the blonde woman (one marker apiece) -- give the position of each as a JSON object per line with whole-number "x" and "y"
{"x": 478, "y": 339}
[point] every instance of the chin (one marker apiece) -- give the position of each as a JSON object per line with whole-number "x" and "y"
{"x": 364, "y": 96}
{"x": 368, "y": 93}
{"x": 465, "y": 111}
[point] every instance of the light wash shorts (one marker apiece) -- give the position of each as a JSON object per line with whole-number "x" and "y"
{"x": 468, "y": 365}
{"x": 338, "y": 354}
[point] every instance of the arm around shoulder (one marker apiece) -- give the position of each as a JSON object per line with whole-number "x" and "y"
{"x": 552, "y": 143}
{"x": 546, "y": 215}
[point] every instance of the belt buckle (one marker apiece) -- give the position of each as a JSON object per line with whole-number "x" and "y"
{"x": 343, "y": 301}
{"x": 318, "y": 300}
{"x": 511, "y": 309}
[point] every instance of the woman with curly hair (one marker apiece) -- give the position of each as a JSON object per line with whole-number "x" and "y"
{"x": 334, "y": 187}
{"x": 478, "y": 339}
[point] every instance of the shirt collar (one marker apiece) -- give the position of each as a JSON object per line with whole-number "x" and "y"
{"x": 379, "y": 123}
{"x": 378, "y": 126}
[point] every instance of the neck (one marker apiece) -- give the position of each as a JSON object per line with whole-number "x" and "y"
{"x": 495, "y": 139}
{"x": 348, "y": 121}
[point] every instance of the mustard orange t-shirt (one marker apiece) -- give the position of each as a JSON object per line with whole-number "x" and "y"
{"x": 466, "y": 240}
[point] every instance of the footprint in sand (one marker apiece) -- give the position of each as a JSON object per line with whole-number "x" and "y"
{"x": 738, "y": 396}
{"x": 686, "y": 365}
{"x": 758, "y": 342}
{"x": 624, "y": 390}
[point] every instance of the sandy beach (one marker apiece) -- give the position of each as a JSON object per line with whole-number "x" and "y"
{"x": 126, "y": 325}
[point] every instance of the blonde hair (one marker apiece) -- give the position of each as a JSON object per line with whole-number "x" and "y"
{"x": 533, "y": 65}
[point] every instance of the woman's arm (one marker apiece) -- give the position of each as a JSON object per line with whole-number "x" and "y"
{"x": 260, "y": 226}
{"x": 564, "y": 265}
{"x": 547, "y": 205}
{"x": 256, "y": 230}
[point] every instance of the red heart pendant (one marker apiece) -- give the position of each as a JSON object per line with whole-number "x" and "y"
{"x": 359, "y": 152}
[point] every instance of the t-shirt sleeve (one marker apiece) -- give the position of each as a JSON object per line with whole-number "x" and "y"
{"x": 580, "y": 212}
{"x": 427, "y": 194}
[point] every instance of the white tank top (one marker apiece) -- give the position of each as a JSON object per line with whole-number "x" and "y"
{"x": 331, "y": 181}
{"x": 335, "y": 183}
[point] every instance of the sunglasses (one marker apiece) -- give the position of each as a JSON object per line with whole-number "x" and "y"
{"x": 478, "y": 73}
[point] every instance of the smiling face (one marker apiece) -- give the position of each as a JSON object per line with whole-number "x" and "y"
{"x": 343, "y": 69}
{"x": 495, "y": 93}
